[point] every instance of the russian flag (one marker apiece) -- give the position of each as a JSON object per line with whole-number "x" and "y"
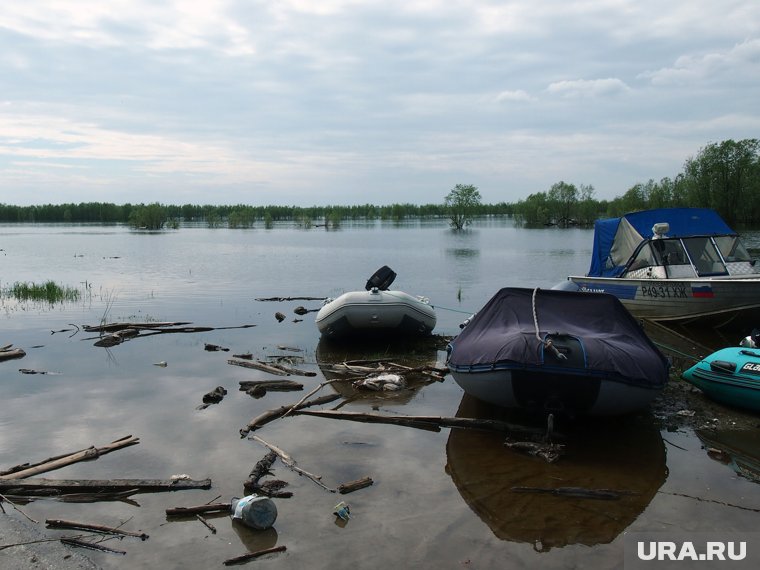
{"x": 702, "y": 291}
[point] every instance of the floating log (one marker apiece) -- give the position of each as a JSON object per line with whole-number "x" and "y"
{"x": 291, "y": 370}
{"x": 59, "y": 523}
{"x": 43, "y": 487}
{"x": 434, "y": 422}
{"x": 291, "y": 463}
{"x": 258, "y": 365}
{"x": 113, "y": 327}
{"x": 272, "y": 415}
{"x": 262, "y": 468}
{"x": 199, "y": 509}
{"x": 251, "y": 555}
{"x": 258, "y": 388}
{"x": 63, "y": 460}
{"x": 352, "y": 486}
{"x": 11, "y": 353}
{"x": 214, "y": 396}
{"x": 215, "y": 347}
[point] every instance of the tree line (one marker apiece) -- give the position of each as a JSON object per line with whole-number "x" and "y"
{"x": 724, "y": 176}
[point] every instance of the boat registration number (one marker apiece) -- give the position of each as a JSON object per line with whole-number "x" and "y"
{"x": 666, "y": 290}
{"x": 751, "y": 367}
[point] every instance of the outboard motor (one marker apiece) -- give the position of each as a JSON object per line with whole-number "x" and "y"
{"x": 752, "y": 341}
{"x": 381, "y": 280}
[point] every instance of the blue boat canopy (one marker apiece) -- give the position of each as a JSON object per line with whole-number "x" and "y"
{"x": 616, "y": 239}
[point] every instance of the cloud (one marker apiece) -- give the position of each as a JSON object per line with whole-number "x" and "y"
{"x": 516, "y": 96}
{"x": 588, "y": 88}
{"x": 743, "y": 58}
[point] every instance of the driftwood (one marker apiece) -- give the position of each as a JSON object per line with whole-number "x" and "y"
{"x": 259, "y": 388}
{"x": 279, "y": 316}
{"x": 207, "y": 524}
{"x": 262, "y": 468}
{"x": 215, "y": 347}
{"x": 119, "y": 332}
{"x": 251, "y": 555}
{"x": 20, "y": 471}
{"x": 291, "y": 370}
{"x": 352, "y": 486}
{"x": 199, "y": 509}
{"x": 113, "y": 327}
{"x": 45, "y": 487}
{"x": 90, "y": 545}
{"x": 574, "y": 492}
{"x": 272, "y": 415}
{"x": 291, "y": 463}
{"x": 214, "y": 396}
{"x": 550, "y": 452}
{"x": 425, "y": 422}
{"x": 272, "y": 488}
{"x": 7, "y": 353}
{"x": 58, "y": 523}
{"x": 258, "y": 365}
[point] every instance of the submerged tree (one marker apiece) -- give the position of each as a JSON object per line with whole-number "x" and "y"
{"x": 461, "y": 204}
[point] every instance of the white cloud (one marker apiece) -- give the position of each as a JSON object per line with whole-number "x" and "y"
{"x": 741, "y": 58}
{"x": 588, "y": 87}
{"x": 517, "y": 95}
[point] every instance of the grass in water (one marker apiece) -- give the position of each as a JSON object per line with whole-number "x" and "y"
{"x": 48, "y": 291}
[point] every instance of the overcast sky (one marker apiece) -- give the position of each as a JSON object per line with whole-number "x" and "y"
{"x": 312, "y": 102}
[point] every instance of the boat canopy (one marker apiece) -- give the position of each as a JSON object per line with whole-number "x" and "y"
{"x": 616, "y": 239}
{"x": 614, "y": 343}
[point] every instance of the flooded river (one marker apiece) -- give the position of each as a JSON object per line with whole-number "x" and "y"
{"x": 440, "y": 499}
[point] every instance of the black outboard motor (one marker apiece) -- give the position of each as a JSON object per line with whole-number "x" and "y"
{"x": 382, "y": 279}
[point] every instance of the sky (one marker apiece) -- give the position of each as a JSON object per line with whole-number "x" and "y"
{"x": 318, "y": 102}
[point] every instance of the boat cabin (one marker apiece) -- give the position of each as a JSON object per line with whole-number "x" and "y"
{"x": 669, "y": 243}
{"x": 699, "y": 256}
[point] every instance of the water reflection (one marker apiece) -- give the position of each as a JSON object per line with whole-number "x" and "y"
{"x": 627, "y": 456}
{"x": 412, "y": 353}
{"x": 740, "y": 450}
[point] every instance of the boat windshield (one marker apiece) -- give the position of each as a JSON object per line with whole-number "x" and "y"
{"x": 705, "y": 257}
{"x": 732, "y": 249}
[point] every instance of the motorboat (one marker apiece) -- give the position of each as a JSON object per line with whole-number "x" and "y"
{"x": 683, "y": 265}
{"x": 557, "y": 351}
{"x": 376, "y": 311}
{"x": 730, "y": 376}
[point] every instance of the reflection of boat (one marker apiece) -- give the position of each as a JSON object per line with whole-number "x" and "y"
{"x": 729, "y": 376}
{"x": 738, "y": 448}
{"x": 674, "y": 264}
{"x": 557, "y": 350}
{"x": 376, "y": 311}
{"x": 627, "y": 457}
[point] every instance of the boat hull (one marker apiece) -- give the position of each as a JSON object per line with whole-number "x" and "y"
{"x": 730, "y": 376}
{"x": 716, "y": 302}
{"x": 375, "y": 312}
{"x": 571, "y": 394}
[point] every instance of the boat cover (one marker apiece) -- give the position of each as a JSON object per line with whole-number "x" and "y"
{"x": 616, "y": 239}
{"x": 503, "y": 333}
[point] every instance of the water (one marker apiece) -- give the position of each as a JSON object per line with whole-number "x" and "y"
{"x": 440, "y": 499}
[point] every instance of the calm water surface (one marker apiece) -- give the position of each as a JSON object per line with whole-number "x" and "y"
{"x": 440, "y": 500}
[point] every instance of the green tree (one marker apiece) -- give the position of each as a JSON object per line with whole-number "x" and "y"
{"x": 461, "y": 204}
{"x": 150, "y": 217}
{"x": 563, "y": 198}
{"x": 724, "y": 176}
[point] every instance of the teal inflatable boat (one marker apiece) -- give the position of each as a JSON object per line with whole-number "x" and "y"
{"x": 729, "y": 376}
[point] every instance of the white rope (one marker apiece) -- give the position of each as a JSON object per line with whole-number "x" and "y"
{"x": 546, "y": 343}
